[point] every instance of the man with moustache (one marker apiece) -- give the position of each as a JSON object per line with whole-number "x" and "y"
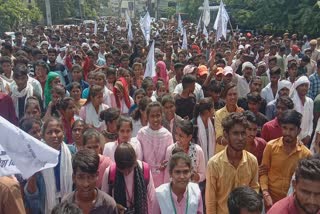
{"x": 281, "y": 157}
{"x": 306, "y": 197}
{"x": 230, "y": 168}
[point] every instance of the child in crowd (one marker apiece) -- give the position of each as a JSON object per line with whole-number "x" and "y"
{"x": 137, "y": 96}
{"x": 155, "y": 140}
{"x": 110, "y": 117}
{"x": 124, "y": 129}
{"x": 160, "y": 91}
{"x": 148, "y": 87}
{"x": 111, "y": 78}
{"x": 91, "y": 82}
{"x": 139, "y": 115}
{"x": 108, "y": 96}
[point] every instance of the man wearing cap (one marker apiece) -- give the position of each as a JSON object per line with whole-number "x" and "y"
{"x": 295, "y": 50}
{"x": 244, "y": 80}
{"x": 190, "y": 69}
{"x": 315, "y": 53}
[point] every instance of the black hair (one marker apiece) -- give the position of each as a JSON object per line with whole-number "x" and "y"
{"x": 167, "y": 98}
{"x": 203, "y": 105}
{"x": 90, "y": 133}
{"x": 176, "y": 157}
{"x": 139, "y": 91}
{"x": 251, "y": 117}
{"x": 186, "y": 126}
{"x": 286, "y": 100}
{"x": 75, "y": 85}
{"x": 94, "y": 90}
{"x": 254, "y": 97}
{"x": 64, "y": 103}
{"x": 20, "y": 70}
{"x": 275, "y": 71}
{"x": 77, "y": 67}
{"x": 232, "y": 119}
{"x": 151, "y": 105}
{"x": 227, "y": 88}
{"x": 308, "y": 168}
{"x": 125, "y": 157}
{"x": 43, "y": 64}
{"x": 244, "y": 197}
{"x": 109, "y": 115}
{"x": 5, "y": 59}
{"x": 318, "y": 63}
{"x": 187, "y": 80}
{"x": 66, "y": 208}
{"x": 136, "y": 114}
{"x": 49, "y": 120}
{"x": 78, "y": 122}
{"x": 123, "y": 119}
{"x": 52, "y": 50}
{"x": 86, "y": 160}
{"x": 290, "y": 117}
{"x": 146, "y": 83}
{"x": 215, "y": 87}
{"x": 26, "y": 123}
{"x": 110, "y": 71}
{"x": 254, "y": 79}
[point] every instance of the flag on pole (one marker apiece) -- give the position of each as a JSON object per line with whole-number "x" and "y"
{"x": 105, "y": 29}
{"x": 221, "y": 23}
{"x": 130, "y": 35}
{"x": 206, "y": 13}
{"x": 199, "y": 25}
{"x": 95, "y": 29}
{"x": 184, "y": 40}
{"x": 128, "y": 20}
{"x": 205, "y": 32}
{"x": 145, "y": 24}
{"x": 180, "y": 26}
{"x": 151, "y": 63}
{"x": 20, "y": 153}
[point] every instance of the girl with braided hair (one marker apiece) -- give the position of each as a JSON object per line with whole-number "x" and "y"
{"x": 129, "y": 181}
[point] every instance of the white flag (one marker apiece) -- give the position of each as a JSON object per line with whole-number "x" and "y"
{"x": 151, "y": 63}
{"x": 128, "y": 20}
{"x": 206, "y": 13}
{"x": 145, "y": 24}
{"x": 221, "y": 23}
{"x": 180, "y": 26}
{"x": 130, "y": 35}
{"x": 105, "y": 28}
{"x": 95, "y": 30}
{"x": 184, "y": 40}
{"x": 199, "y": 25}
{"x": 22, "y": 153}
{"x": 205, "y": 32}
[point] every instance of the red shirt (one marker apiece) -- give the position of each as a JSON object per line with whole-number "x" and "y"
{"x": 285, "y": 206}
{"x": 271, "y": 130}
{"x": 7, "y": 110}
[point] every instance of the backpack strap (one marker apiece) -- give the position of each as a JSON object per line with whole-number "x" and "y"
{"x": 146, "y": 172}
{"x": 112, "y": 177}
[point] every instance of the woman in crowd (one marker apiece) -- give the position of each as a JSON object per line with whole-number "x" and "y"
{"x": 124, "y": 128}
{"x": 139, "y": 116}
{"x": 44, "y": 190}
{"x": 180, "y": 195}
{"x": 155, "y": 139}
{"x": 75, "y": 93}
{"x": 108, "y": 96}
{"x": 110, "y": 117}
{"x": 205, "y": 135}
{"x": 94, "y": 105}
{"x": 184, "y": 134}
{"x": 67, "y": 109}
{"x": 123, "y": 100}
{"x": 129, "y": 181}
{"x": 91, "y": 140}
{"x": 78, "y": 127}
{"x": 32, "y": 108}
{"x": 53, "y": 79}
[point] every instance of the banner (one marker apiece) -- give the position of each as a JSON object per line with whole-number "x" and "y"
{"x": 151, "y": 63}
{"x": 22, "y": 153}
{"x": 221, "y": 23}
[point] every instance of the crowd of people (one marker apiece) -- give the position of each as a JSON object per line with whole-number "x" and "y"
{"x": 222, "y": 127}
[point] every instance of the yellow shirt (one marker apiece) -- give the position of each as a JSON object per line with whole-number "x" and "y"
{"x": 219, "y": 115}
{"x": 281, "y": 167}
{"x": 222, "y": 177}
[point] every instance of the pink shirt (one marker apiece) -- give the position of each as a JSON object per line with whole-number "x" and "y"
{"x": 154, "y": 144}
{"x": 103, "y": 164}
{"x": 200, "y": 165}
{"x": 110, "y": 148}
{"x": 129, "y": 180}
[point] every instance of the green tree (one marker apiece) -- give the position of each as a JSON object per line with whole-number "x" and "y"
{"x": 14, "y": 14}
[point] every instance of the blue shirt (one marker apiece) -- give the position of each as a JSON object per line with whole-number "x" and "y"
{"x": 314, "y": 88}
